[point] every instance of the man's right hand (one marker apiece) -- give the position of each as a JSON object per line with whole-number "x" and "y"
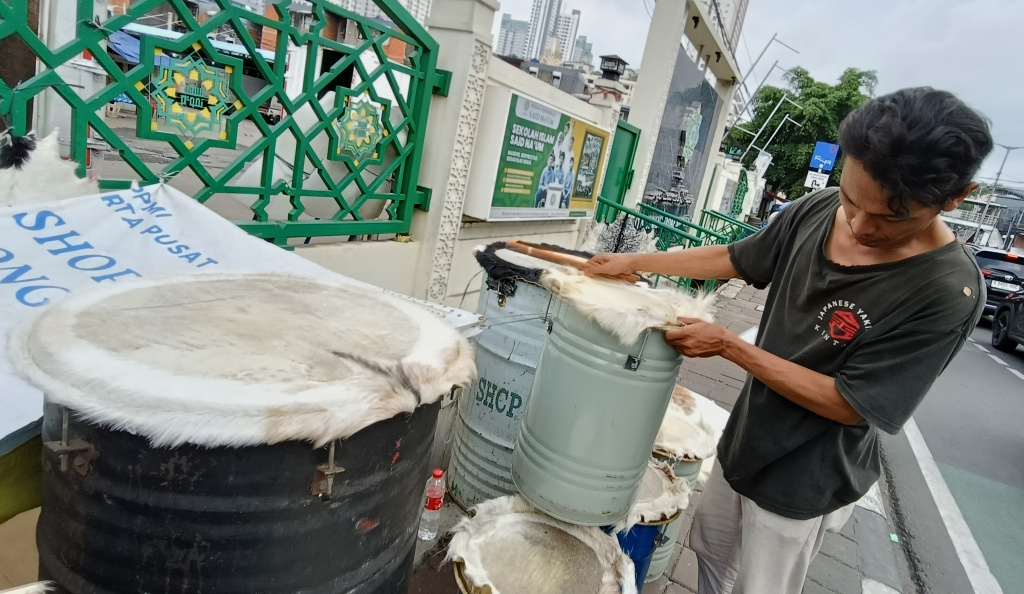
{"x": 609, "y": 265}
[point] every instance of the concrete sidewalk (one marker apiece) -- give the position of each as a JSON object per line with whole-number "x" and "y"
{"x": 859, "y": 559}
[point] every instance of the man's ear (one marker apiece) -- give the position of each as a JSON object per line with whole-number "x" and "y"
{"x": 955, "y": 203}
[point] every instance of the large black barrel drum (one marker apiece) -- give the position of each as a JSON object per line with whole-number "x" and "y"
{"x": 192, "y": 519}
{"x": 278, "y": 462}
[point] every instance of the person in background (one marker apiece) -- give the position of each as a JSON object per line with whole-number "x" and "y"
{"x": 871, "y": 295}
{"x": 546, "y": 177}
{"x": 568, "y": 181}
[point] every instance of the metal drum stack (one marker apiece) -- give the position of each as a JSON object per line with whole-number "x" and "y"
{"x": 582, "y": 448}
{"x": 659, "y": 504}
{"x": 201, "y": 436}
{"x": 688, "y": 436}
{"x": 603, "y": 384}
{"x": 517, "y": 309}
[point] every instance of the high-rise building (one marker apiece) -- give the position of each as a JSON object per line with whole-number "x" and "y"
{"x": 419, "y": 9}
{"x": 727, "y": 17}
{"x": 513, "y": 37}
{"x": 565, "y": 29}
{"x": 543, "y": 25}
{"x": 582, "y": 52}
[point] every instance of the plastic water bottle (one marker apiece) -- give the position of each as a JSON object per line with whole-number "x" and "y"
{"x": 430, "y": 521}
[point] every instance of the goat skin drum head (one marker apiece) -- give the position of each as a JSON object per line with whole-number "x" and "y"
{"x": 541, "y": 559}
{"x": 240, "y": 359}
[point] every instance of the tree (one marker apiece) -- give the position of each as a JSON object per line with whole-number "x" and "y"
{"x": 823, "y": 107}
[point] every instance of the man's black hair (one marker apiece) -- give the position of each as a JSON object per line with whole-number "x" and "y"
{"x": 919, "y": 144}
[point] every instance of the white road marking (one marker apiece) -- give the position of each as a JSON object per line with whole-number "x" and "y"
{"x": 1016, "y": 373}
{"x": 967, "y": 550}
{"x": 998, "y": 360}
{"x": 981, "y": 348}
{"x": 869, "y": 586}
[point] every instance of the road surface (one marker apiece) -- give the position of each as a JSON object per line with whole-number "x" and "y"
{"x": 955, "y": 478}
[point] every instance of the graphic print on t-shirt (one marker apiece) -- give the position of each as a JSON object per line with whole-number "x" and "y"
{"x": 839, "y": 322}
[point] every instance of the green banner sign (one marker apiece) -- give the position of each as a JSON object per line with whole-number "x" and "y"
{"x": 550, "y": 164}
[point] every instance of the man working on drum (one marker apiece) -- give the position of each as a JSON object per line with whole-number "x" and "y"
{"x": 871, "y": 297}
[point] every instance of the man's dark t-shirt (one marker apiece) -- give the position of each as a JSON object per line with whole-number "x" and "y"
{"x": 884, "y": 331}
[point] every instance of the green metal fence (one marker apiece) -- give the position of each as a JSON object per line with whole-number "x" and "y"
{"x": 671, "y": 232}
{"x": 706, "y": 236}
{"x": 344, "y": 159}
{"x": 725, "y": 225}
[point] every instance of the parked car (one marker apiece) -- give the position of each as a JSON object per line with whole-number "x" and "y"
{"x": 1003, "y": 272}
{"x": 1008, "y": 323}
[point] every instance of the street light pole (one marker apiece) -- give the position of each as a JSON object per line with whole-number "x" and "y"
{"x": 743, "y": 82}
{"x": 785, "y": 97}
{"x": 746, "y": 106}
{"x": 995, "y": 186}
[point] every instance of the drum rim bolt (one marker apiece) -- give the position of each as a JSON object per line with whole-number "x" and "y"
{"x": 83, "y": 451}
{"x": 323, "y": 475}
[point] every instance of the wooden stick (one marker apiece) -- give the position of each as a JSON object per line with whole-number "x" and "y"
{"x": 563, "y": 259}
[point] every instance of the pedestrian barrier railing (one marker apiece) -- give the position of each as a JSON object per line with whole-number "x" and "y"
{"x": 725, "y": 225}
{"x": 706, "y": 236}
{"x": 318, "y": 167}
{"x": 668, "y": 233}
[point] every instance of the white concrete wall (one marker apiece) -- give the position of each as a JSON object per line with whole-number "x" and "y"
{"x": 387, "y": 264}
{"x": 724, "y": 171}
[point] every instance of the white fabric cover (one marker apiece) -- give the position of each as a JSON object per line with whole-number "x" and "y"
{"x": 624, "y": 309}
{"x": 661, "y": 495}
{"x": 233, "y": 360}
{"x": 512, "y": 548}
{"x": 691, "y": 428}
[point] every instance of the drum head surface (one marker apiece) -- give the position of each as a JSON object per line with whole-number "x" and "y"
{"x": 509, "y": 547}
{"x": 541, "y": 559}
{"x": 240, "y": 359}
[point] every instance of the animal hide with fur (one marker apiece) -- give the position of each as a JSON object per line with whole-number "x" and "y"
{"x": 661, "y": 495}
{"x": 36, "y": 588}
{"x": 691, "y": 428}
{"x": 37, "y": 173}
{"x": 623, "y": 309}
{"x": 507, "y": 526}
{"x": 234, "y": 360}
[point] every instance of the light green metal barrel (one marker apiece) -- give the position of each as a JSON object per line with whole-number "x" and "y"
{"x": 591, "y": 421}
{"x": 491, "y": 412}
{"x": 687, "y": 470}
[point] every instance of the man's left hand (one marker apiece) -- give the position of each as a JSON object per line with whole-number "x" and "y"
{"x": 699, "y": 338}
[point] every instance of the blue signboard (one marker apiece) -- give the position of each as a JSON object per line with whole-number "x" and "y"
{"x": 824, "y": 157}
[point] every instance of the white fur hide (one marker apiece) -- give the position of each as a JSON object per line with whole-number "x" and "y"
{"x": 36, "y": 588}
{"x": 623, "y": 309}
{"x": 691, "y": 428}
{"x": 234, "y": 360}
{"x": 661, "y": 495}
{"x": 44, "y": 177}
{"x": 482, "y": 544}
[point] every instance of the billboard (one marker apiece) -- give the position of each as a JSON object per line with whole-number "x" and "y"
{"x": 550, "y": 164}
{"x": 682, "y": 149}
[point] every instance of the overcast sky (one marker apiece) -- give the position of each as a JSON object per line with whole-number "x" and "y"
{"x": 973, "y": 48}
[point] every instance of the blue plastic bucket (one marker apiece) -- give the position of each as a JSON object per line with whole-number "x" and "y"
{"x": 639, "y": 543}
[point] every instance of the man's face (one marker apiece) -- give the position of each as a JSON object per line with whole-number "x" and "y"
{"x": 551, "y": 160}
{"x": 561, "y": 161}
{"x": 871, "y": 221}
